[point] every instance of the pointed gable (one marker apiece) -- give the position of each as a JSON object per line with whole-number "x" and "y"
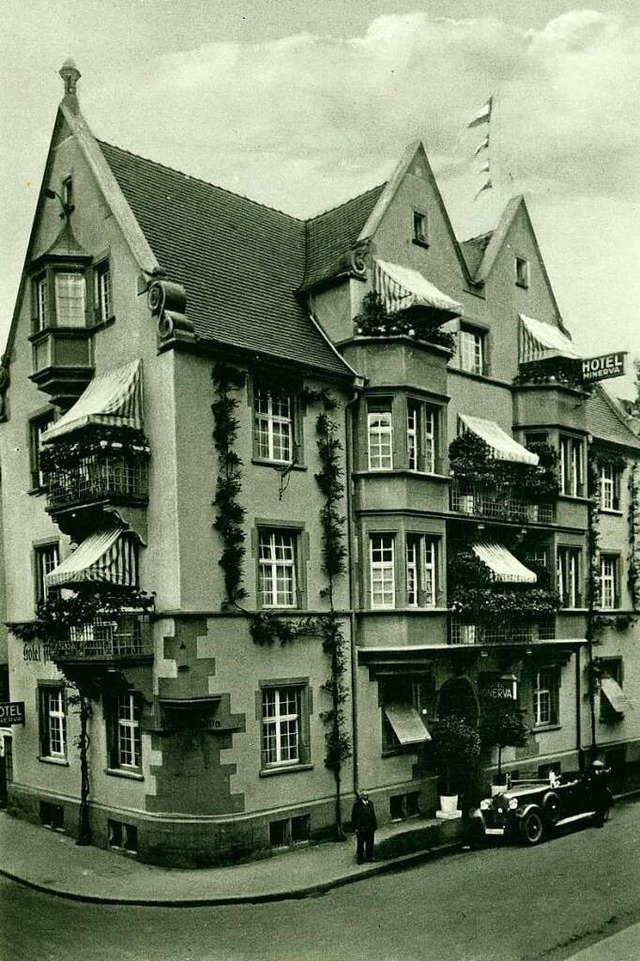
{"x": 607, "y": 420}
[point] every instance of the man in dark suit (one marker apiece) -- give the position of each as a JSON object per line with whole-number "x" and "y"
{"x": 364, "y": 821}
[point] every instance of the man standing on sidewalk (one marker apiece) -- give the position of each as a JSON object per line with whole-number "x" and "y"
{"x": 364, "y": 821}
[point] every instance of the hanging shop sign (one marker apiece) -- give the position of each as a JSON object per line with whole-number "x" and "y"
{"x": 11, "y": 712}
{"x": 603, "y": 367}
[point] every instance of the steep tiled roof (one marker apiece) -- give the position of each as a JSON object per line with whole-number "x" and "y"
{"x": 240, "y": 262}
{"x": 331, "y": 234}
{"x": 606, "y": 420}
{"x": 473, "y": 250}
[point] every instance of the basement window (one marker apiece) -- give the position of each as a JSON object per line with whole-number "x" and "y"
{"x": 52, "y": 816}
{"x": 123, "y": 837}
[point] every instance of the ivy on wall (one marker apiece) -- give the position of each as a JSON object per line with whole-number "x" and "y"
{"x": 230, "y": 512}
{"x": 634, "y": 536}
{"x": 473, "y": 594}
{"x": 473, "y": 465}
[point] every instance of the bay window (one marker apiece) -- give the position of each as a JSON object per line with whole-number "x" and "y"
{"x": 382, "y": 570}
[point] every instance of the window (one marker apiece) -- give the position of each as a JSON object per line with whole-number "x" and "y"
{"x": 277, "y": 578}
{"x": 546, "y": 696}
{"x": 421, "y": 571}
{"x": 522, "y": 272}
{"x": 123, "y": 837}
{"x": 123, "y": 722}
{"x": 471, "y": 343}
{"x": 380, "y": 433}
{"x": 273, "y": 425}
{"x": 53, "y": 722}
{"x": 404, "y": 713}
{"x": 289, "y": 831}
{"x": 52, "y": 815}
{"x": 609, "y": 488}
{"x": 46, "y": 559}
{"x": 284, "y": 726}
{"x": 571, "y": 466}
{"x": 420, "y": 228}
{"x": 70, "y": 299}
{"x": 67, "y": 194}
{"x": 568, "y": 571}
{"x": 104, "y": 303}
{"x": 37, "y": 427}
{"x": 612, "y": 698}
{"x": 41, "y": 297}
{"x": 609, "y": 580}
{"x": 422, "y": 437}
{"x": 382, "y": 570}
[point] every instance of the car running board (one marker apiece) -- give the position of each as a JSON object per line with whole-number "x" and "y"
{"x": 575, "y": 817}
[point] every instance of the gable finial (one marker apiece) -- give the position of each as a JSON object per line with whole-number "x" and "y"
{"x": 70, "y": 75}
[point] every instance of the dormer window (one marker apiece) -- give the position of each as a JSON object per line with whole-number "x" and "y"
{"x": 522, "y": 272}
{"x": 41, "y": 303}
{"x": 420, "y": 228}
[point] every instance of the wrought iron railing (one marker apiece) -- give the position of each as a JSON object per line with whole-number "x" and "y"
{"x": 98, "y": 478}
{"x": 486, "y": 632}
{"x": 476, "y": 503}
{"x": 108, "y": 638}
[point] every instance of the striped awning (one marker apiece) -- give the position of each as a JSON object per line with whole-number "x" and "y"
{"x": 614, "y": 694}
{"x": 113, "y": 399}
{"x": 106, "y": 557}
{"x": 401, "y": 288}
{"x": 406, "y": 723}
{"x": 503, "y": 564}
{"x": 503, "y": 446}
{"x": 539, "y": 341}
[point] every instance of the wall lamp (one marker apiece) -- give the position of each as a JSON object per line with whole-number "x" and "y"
{"x": 67, "y": 206}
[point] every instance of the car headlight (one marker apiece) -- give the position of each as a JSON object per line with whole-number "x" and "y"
{"x": 513, "y": 803}
{"x": 485, "y": 804}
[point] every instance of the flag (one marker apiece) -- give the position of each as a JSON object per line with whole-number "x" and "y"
{"x": 482, "y": 146}
{"x": 483, "y": 115}
{"x": 486, "y": 186}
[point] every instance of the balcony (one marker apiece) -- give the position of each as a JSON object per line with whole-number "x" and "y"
{"x": 108, "y": 477}
{"x": 491, "y": 633}
{"x": 108, "y": 639}
{"x": 477, "y": 503}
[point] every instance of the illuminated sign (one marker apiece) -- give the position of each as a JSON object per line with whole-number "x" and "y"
{"x": 603, "y": 367}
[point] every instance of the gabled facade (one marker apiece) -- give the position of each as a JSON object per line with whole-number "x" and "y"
{"x": 253, "y": 460}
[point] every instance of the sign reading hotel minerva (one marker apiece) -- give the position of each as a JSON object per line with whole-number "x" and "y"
{"x": 11, "y": 712}
{"x": 600, "y": 368}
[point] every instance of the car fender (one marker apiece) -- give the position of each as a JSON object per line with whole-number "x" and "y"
{"x": 522, "y": 812}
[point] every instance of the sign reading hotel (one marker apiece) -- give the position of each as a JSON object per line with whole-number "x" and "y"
{"x": 11, "y": 712}
{"x": 603, "y": 367}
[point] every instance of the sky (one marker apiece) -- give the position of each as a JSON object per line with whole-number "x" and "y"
{"x": 302, "y": 105}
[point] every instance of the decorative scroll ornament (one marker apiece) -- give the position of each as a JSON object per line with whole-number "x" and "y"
{"x": 167, "y": 301}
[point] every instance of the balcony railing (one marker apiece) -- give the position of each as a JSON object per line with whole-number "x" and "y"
{"x": 490, "y": 633}
{"x": 475, "y": 503}
{"x": 98, "y": 478}
{"x": 117, "y": 638}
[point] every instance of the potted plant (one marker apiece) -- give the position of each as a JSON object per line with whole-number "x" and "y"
{"x": 502, "y": 725}
{"x": 457, "y": 746}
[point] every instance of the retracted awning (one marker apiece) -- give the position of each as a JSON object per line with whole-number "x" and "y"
{"x": 401, "y": 288}
{"x": 502, "y": 445}
{"x": 503, "y": 564}
{"x": 106, "y": 557}
{"x": 406, "y": 723}
{"x": 615, "y": 695}
{"x": 113, "y": 398}
{"x": 539, "y": 341}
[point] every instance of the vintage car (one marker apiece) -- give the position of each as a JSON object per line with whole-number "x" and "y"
{"x": 532, "y": 810}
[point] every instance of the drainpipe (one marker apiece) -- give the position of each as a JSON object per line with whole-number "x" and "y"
{"x": 352, "y": 588}
{"x": 579, "y": 712}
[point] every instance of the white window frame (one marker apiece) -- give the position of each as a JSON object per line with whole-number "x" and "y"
{"x": 380, "y": 439}
{"x": 609, "y": 577}
{"x": 273, "y": 425}
{"x": 568, "y": 573}
{"x": 127, "y": 732}
{"x": 382, "y": 571}
{"x": 422, "y": 437}
{"x": 46, "y": 558}
{"x": 609, "y": 484}
{"x": 281, "y": 733}
{"x": 52, "y": 702}
{"x": 471, "y": 343}
{"x": 571, "y": 466}
{"x": 421, "y": 570}
{"x": 67, "y": 303}
{"x": 546, "y": 697}
{"x": 277, "y": 567}
{"x": 103, "y": 292}
{"x": 41, "y": 294}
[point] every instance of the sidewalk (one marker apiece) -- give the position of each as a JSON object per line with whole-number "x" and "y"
{"x": 52, "y": 862}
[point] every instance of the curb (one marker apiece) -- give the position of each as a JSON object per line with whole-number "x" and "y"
{"x": 313, "y": 890}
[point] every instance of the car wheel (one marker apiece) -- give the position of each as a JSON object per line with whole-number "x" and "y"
{"x": 531, "y": 828}
{"x": 551, "y": 807}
